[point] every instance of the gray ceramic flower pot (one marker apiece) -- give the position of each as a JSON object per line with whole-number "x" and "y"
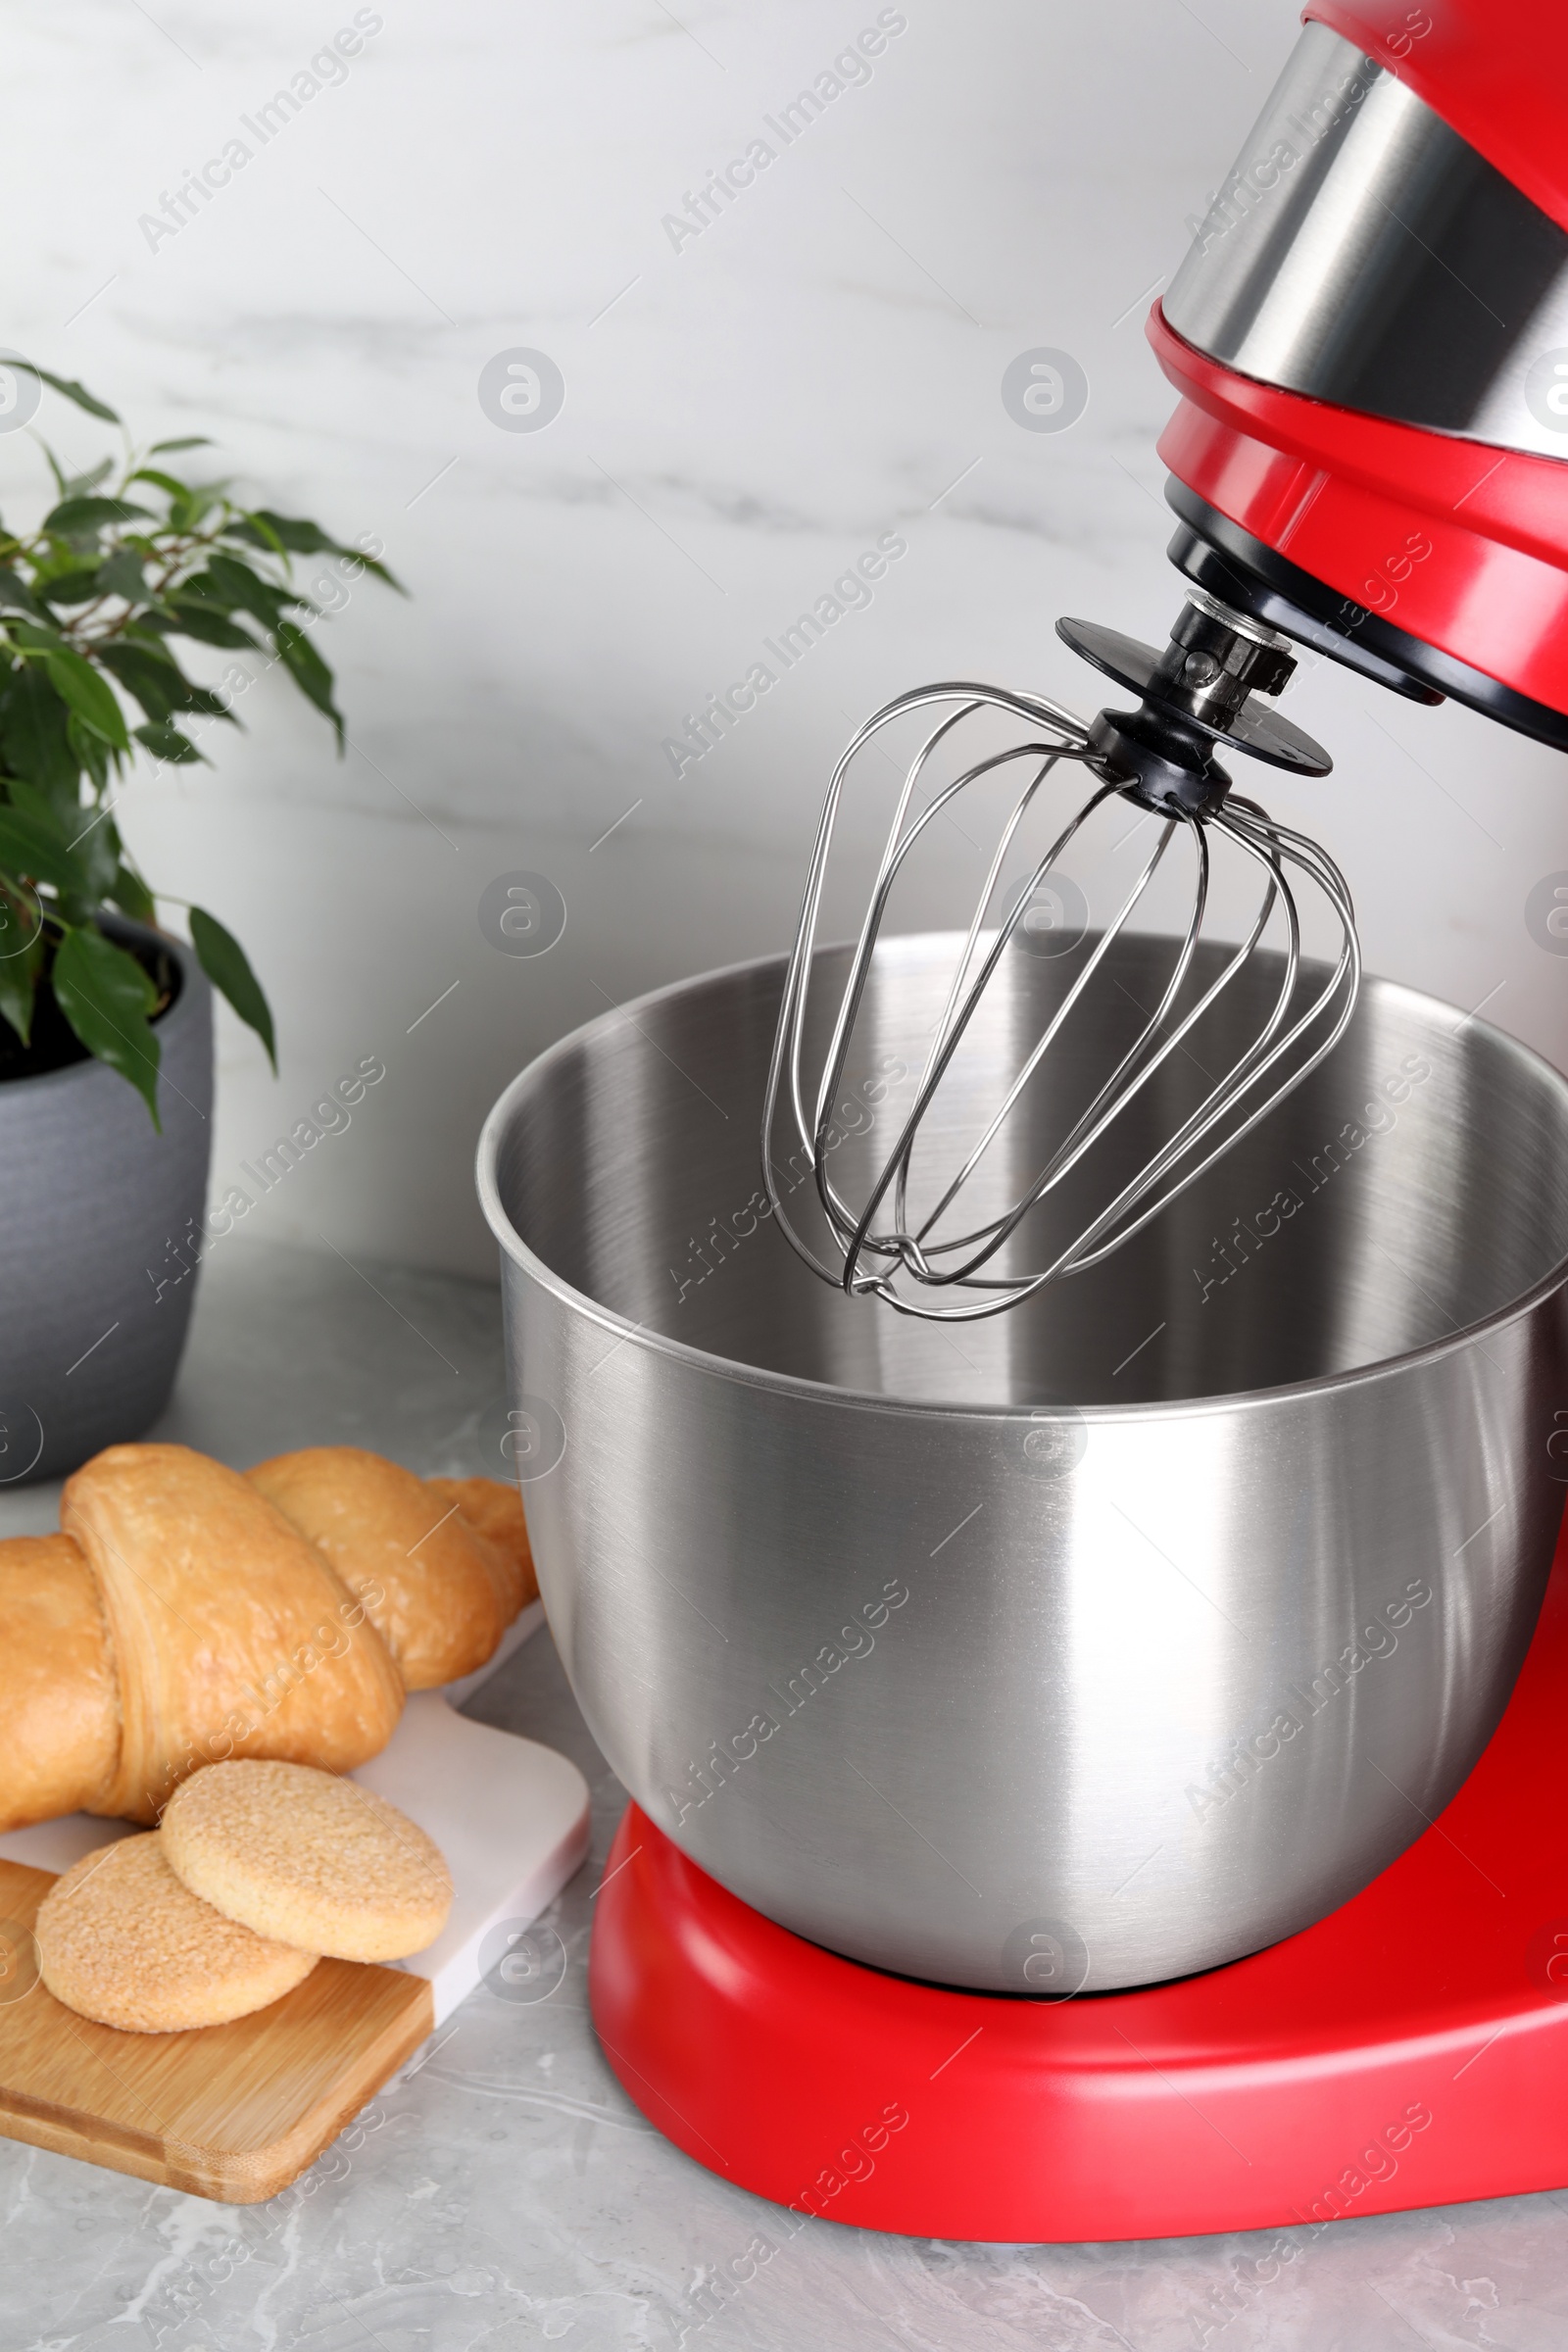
{"x": 100, "y": 1226}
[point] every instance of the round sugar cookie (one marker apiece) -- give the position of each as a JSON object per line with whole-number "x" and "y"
{"x": 308, "y": 1858}
{"x": 122, "y": 1940}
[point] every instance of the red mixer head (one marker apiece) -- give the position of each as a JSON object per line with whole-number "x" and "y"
{"x": 1370, "y": 338}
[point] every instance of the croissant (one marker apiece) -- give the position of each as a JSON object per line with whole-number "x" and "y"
{"x": 180, "y": 1616}
{"x": 59, "y": 1714}
{"x": 442, "y": 1564}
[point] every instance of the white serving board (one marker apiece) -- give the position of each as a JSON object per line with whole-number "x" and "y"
{"x": 510, "y": 1816}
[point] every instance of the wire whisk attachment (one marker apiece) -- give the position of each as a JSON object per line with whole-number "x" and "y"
{"x": 939, "y": 1259}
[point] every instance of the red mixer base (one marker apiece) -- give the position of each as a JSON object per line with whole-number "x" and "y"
{"x": 1411, "y": 2049}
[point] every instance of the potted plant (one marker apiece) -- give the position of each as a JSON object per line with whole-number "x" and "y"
{"x": 106, "y": 1058}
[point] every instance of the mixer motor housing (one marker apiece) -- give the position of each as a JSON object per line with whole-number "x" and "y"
{"x": 1370, "y": 338}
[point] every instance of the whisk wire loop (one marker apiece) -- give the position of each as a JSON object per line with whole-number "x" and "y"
{"x": 881, "y": 1247}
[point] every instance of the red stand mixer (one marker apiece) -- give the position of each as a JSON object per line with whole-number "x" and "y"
{"x": 1370, "y": 460}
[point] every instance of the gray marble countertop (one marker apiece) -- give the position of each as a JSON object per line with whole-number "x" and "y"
{"x": 501, "y": 2191}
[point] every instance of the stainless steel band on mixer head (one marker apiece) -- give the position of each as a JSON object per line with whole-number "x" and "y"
{"x": 1361, "y": 252}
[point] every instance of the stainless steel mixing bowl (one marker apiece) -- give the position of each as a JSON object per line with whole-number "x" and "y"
{"x": 1108, "y": 1639}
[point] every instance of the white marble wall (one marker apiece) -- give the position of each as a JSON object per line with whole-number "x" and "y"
{"x": 746, "y": 410}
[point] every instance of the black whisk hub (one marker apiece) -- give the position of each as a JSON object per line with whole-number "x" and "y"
{"x": 1197, "y": 694}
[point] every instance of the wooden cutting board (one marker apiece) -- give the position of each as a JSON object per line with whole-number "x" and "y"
{"x": 510, "y": 1817}
{"x": 236, "y": 2112}
{"x": 232, "y": 2112}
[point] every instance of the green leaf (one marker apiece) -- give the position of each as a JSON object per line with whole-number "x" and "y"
{"x": 91, "y": 697}
{"x": 34, "y": 739}
{"x": 121, "y": 574}
{"x": 186, "y": 616}
{"x": 41, "y": 850}
{"x": 38, "y": 636}
{"x": 92, "y": 751}
{"x": 167, "y": 743}
{"x": 91, "y": 840}
{"x": 187, "y": 441}
{"x": 17, "y": 596}
{"x": 300, "y": 537}
{"x": 160, "y": 482}
{"x": 132, "y": 897}
{"x": 85, "y": 518}
{"x": 223, "y": 961}
{"x": 264, "y": 529}
{"x": 196, "y": 503}
{"x": 79, "y": 394}
{"x": 382, "y": 572}
{"x": 234, "y": 587}
{"x": 99, "y": 847}
{"x": 19, "y": 965}
{"x": 106, "y": 997}
{"x": 32, "y": 801}
{"x": 308, "y": 671}
{"x": 255, "y": 531}
{"x": 75, "y": 587}
{"x": 61, "y": 823}
{"x": 158, "y": 683}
